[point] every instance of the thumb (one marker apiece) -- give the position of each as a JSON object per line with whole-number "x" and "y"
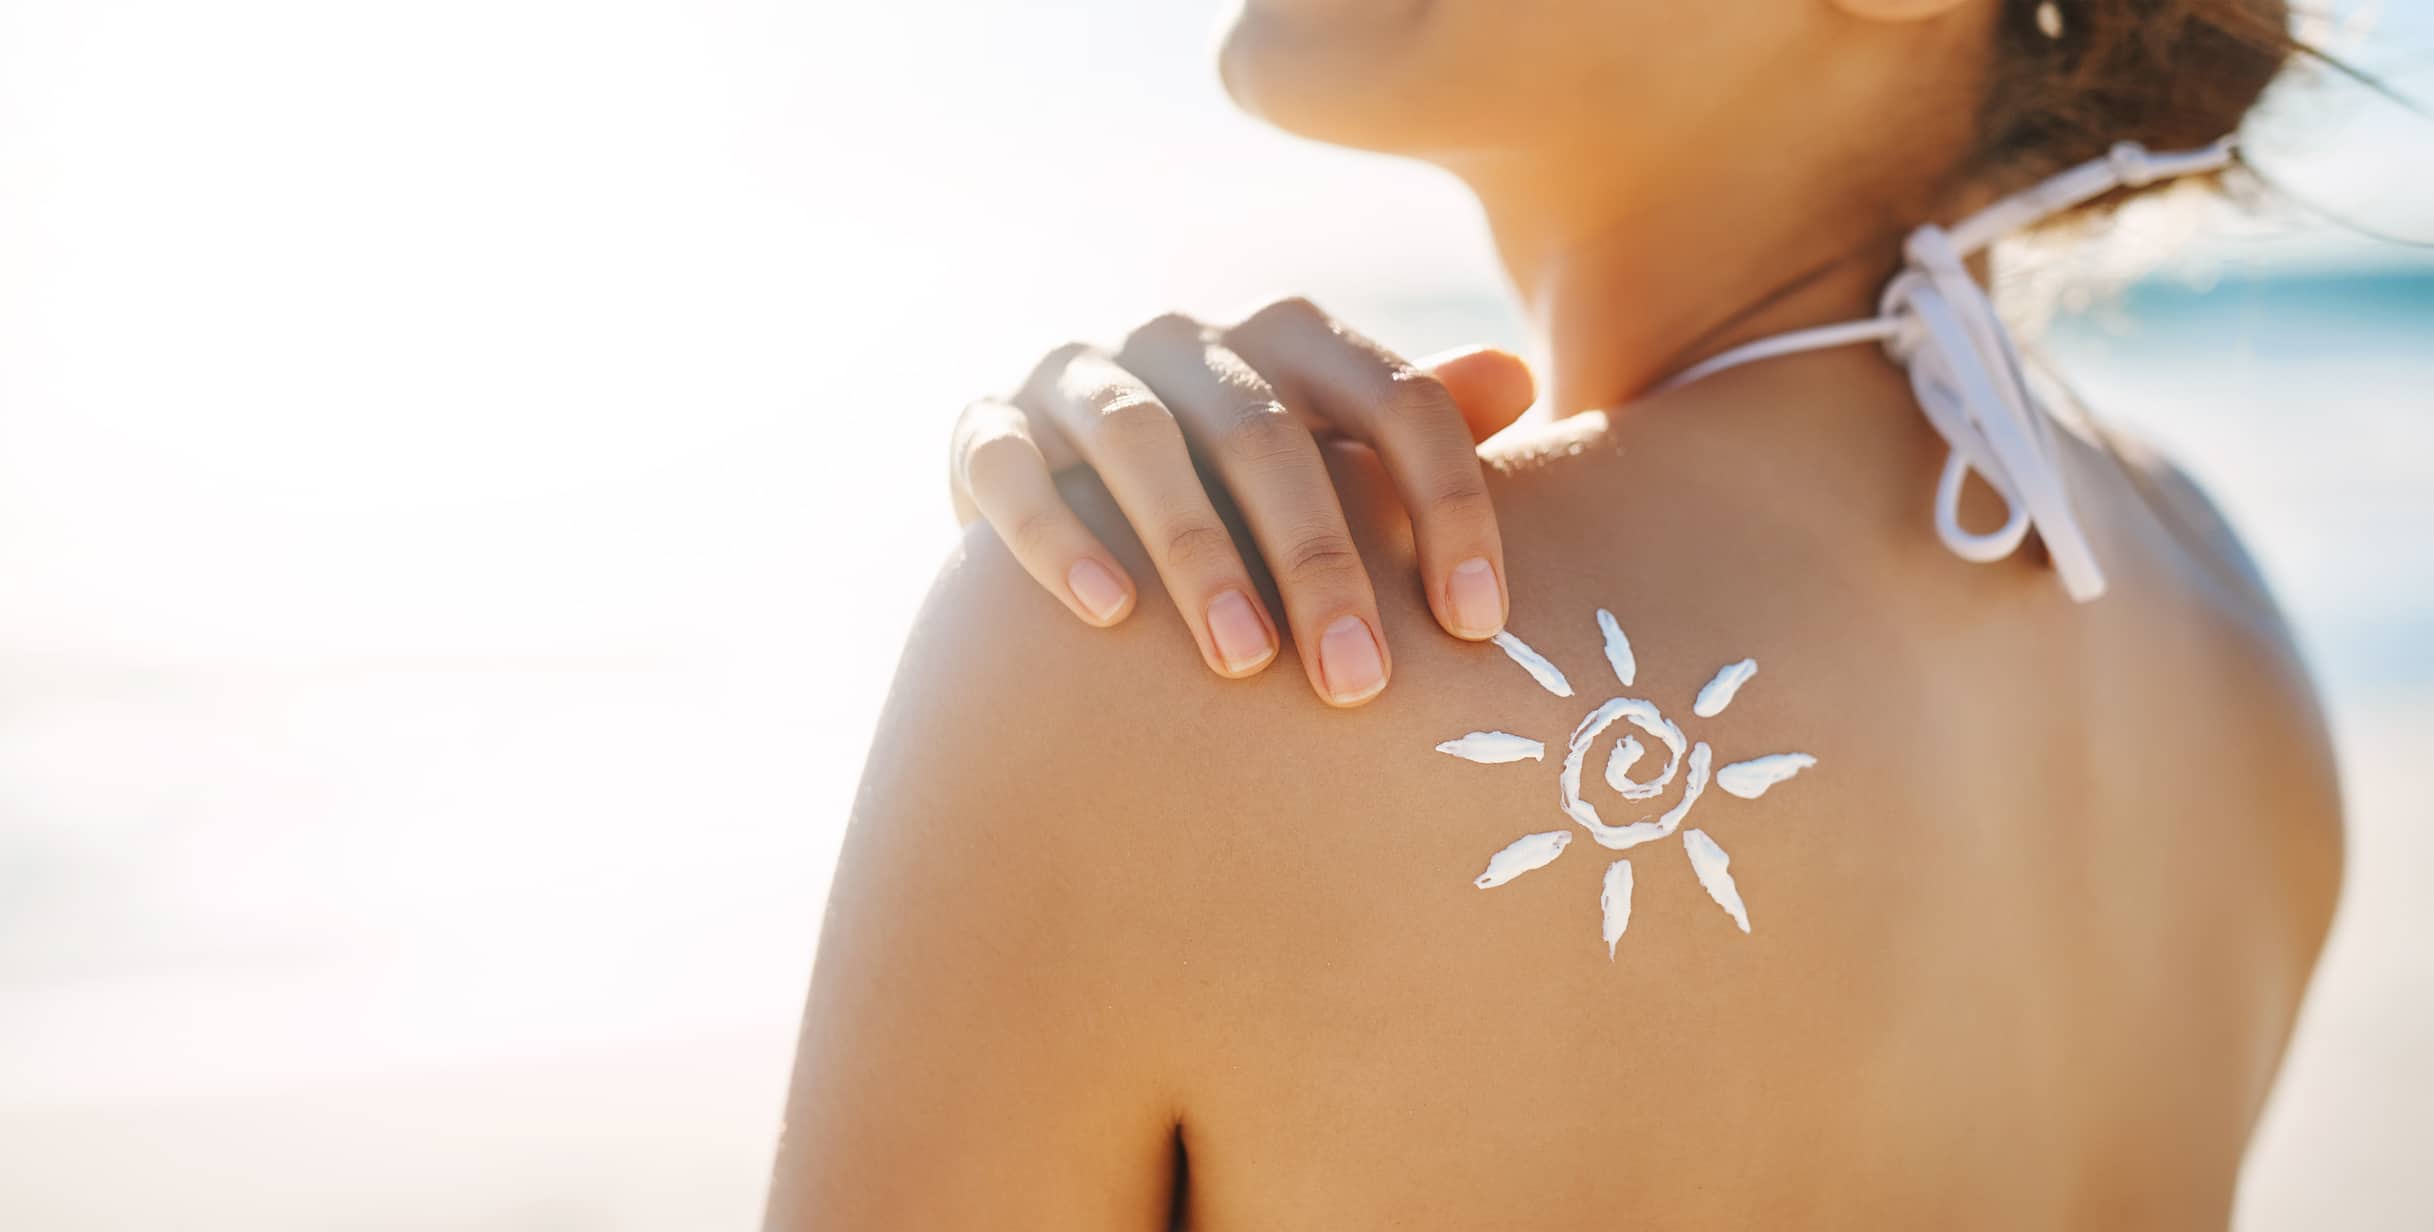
{"x": 1492, "y": 387}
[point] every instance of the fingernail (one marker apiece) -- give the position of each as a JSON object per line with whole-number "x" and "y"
{"x": 1348, "y": 657}
{"x": 1242, "y": 641}
{"x": 1097, "y": 590}
{"x": 1478, "y": 602}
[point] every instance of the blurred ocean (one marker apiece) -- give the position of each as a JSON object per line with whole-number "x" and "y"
{"x": 465, "y": 469}
{"x": 2302, "y": 400}
{"x": 2305, "y": 403}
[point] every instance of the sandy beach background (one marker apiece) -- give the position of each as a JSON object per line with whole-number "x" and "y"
{"x": 465, "y": 469}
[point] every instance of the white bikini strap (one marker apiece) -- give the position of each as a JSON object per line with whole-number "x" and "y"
{"x": 1938, "y": 323}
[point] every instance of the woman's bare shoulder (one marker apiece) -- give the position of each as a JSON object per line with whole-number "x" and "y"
{"x": 1234, "y": 818}
{"x": 1866, "y": 651}
{"x": 1755, "y": 742}
{"x": 1683, "y": 791}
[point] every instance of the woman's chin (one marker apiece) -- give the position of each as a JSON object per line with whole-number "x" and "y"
{"x": 1339, "y": 71}
{"x": 1338, "y": 17}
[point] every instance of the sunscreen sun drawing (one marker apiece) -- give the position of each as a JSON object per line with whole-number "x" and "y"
{"x": 1692, "y": 761}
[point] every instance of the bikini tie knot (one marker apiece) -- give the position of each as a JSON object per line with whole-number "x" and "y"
{"x": 1936, "y": 322}
{"x": 1969, "y": 381}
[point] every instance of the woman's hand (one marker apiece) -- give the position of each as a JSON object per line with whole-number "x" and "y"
{"x": 1251, "y": 401}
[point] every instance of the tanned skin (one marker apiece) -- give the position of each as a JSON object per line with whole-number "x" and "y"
{"x": 1114, "y": 942}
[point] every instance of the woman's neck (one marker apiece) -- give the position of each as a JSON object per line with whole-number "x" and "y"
{"x": 1624, "y": 291}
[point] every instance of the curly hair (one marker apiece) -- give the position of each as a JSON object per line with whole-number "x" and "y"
{"x": 2069, "y": 78}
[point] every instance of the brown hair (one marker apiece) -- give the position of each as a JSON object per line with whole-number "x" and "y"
{"x": 2066, "y": 83}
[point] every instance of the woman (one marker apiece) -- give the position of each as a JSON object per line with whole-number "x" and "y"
{"x": 1775, "y": 867}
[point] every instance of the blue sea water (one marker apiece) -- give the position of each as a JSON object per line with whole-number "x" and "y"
{"x": 2305, "y": 403}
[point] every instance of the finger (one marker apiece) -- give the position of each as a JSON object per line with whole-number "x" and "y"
{"x": 1131, "y": 439}
{"x": 1411, "y": 420}
{"x": 1490, "y": 387}
{"x": 1050, "y": 443}
{"x": 1001, "y": 475}
{"x": 1270, "y": 465}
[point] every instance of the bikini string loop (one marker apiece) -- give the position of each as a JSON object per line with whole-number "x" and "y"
{"x": 1970, "y": 383}
{"x": 1938, "y": 323}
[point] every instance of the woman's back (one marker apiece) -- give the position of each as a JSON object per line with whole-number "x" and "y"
{"x": 2024, "y": 941}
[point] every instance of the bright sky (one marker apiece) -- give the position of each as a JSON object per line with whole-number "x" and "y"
{"x": 464, "y": 470}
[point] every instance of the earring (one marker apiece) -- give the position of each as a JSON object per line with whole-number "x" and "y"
{"x": 2049, "y": 19}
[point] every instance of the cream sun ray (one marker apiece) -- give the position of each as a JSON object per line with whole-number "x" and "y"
{"x": 1535, "y": 664}
{"x": 1528, "y": 852}
{"x": 1719, "y": 692}
{"x": 1494, "y": 748}
{"x": 1713, "y": 869}
{"x": 1618, "y": 648}
{"x": 1750, "y": 779}
{"x": 1615, "y": 902}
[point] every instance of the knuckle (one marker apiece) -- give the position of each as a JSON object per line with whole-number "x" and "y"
{"x": 1463, "y": 499}
{"x": 1033, "y": 533}
{"x": 1266, "y": 433}
{"x": 1418, "y": 401}
{"x": 1045, "y": 374}
{"x": 1237, "y": 378}
{"x": 1291, "y": 310}
{"x": 979, "y": 419}
{"x": 1130, "y": 420}
{"x": 974, "y": 413}
{"x": 994, "y": 459}
{"x": 1318, "y": 559}
{"x": 1167, "y": 329}
{"x": 1196, "y": 544}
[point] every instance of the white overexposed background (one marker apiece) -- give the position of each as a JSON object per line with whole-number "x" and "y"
{"x": 465, "y": 468}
